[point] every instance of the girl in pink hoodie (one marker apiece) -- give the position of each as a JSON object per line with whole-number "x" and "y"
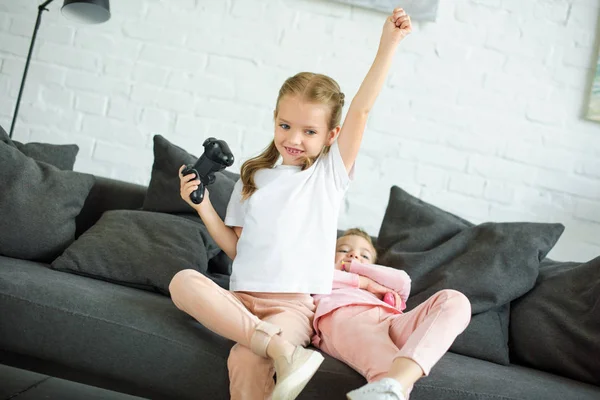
{"x": 391, "y": 349}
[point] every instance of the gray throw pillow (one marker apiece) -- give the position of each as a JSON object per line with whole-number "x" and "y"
{"x": 62, "y": 156}
{"x": 492, "y": 263}
{"x": 163, "y": 190}
{"x": 139, "y": 248}
{"x": 556, "y": 326}
{"x": 38, "y": 205}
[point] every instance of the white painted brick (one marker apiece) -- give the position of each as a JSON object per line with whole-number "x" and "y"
{"x": 555, "y": 159}
{"x": 498, "y": 192}
{"x": 120, "y": 154}
{"x": 579, "y": 57}
{"x": 591, "y": 168}
{"x": 175, "y": 101}
{"x": 56, "y": 96}
{"x": 46, "y": 116}
{"x": 401, "y": 170}
{"x": 21, "y": 25}
{"x": 467, "y": 184}
{"x": 156, "y": 121}
{"x": 556, "y": 11}
{"x": 438, "y": 111}
{"x": 148, "y": 73}
{"x": 4, "y": 22}
{"x": 551, "y": 114}
{"x": 91, "y": 103}
{"x": 497, "y": 168}
{"x": 465, "y": 207}
{"x": 118, "y": 68}
{"x": 69, "y": 57}
{"x": 94, "y": 167}
{"x": 321, "y": 7}
{"x": 569, "y": 183}
{"x": 502, "y": 213}
{"x": 372, "y": 144}
{"x": 162, "y": 14}
{"x": 145, "y": 94}
{"x": 248, "y": 9}
{"x": 587, "y": 210}
{"x": 432, "y": 177}
{"x": 13, "y": 44}
{"x": 203, "y": 85}
{"x": 481, "y": 15}
{"x": 144, "y": 31}
{"x": 97, "y": 84}
{"x": 255, "y": 141}
{"x": 172, "y": 58}
{"x": 55, "y": 33}
{"x": 123, "y": 109}
{"x": 7, "y": 108}
{"x": 583, "y": 14}
{"x": 229, "y": 111}
{"x": 112, "y": 130}
{"x": 189, "y": 125}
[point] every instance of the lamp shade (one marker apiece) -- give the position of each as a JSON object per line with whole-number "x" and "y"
{"x": 87, "y": 11}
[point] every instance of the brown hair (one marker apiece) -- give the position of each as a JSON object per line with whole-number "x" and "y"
{"x": 312, "y": 88}
{"x": 364, "y": 235}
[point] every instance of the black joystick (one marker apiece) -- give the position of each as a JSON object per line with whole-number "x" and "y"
{"x": 216, "y": 157}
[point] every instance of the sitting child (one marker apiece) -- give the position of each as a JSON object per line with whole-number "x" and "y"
{"x": 391, "y": 349}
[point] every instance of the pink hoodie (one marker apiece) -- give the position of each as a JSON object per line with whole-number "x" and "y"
{"x": 346, "y": 291}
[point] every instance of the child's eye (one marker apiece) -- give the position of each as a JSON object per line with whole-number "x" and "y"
{"x": 366, "y": 257}
{"x": 284, "y": 126}
{"x": 311, "y": 132}
{"x": 342, "y": 251}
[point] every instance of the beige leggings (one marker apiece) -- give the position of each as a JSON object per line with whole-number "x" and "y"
{"x": 248, "y": 318}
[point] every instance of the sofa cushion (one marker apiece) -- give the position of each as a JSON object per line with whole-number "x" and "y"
{"x": 139, "y": 248}
{"x": 142, "y": 339}
{"x": 163, "y": 190}
{"x": 38, "y": 204}
{"x": 556, "y": 326}
{"x": 492, "y": 263}
{"x": 62, "y": 156}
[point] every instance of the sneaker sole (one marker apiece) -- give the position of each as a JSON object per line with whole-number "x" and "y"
{"x": 293, "y": 385}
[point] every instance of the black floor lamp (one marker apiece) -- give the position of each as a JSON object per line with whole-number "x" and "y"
{"x": 85, "y": 11}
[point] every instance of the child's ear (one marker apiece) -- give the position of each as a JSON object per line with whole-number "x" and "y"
{"x": 333, "y": 134}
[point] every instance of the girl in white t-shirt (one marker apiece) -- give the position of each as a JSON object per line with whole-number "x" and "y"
{"x": 280, "y": 230}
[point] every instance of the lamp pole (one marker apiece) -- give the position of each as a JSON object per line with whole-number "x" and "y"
{"x": 41, "y": 8}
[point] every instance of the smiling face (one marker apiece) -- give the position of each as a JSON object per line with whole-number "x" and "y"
{"x": 301, "y": 129}
{"x": 354, "y": 247}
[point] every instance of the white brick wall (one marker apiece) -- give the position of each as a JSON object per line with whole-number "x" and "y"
{"x": 481, "y": 114}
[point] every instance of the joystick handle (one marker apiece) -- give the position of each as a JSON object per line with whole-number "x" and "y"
{"x": 216, "y": 157}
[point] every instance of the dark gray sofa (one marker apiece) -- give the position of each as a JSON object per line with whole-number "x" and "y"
{"x": 135, "y": 341}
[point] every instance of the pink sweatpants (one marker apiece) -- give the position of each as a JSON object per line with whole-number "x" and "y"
{"x": 249, "y": 319}
{"x": 369, "y": 338}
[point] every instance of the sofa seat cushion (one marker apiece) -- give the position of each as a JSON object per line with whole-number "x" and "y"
{"x": 139, "y": 337}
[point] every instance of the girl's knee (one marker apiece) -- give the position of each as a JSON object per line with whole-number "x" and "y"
{"x": 456, "y": 303}
{"x": 183, "y": 278}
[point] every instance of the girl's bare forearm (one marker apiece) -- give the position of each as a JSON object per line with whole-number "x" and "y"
{"x": 373, "y": 83}
{"x": 223, "y": 235}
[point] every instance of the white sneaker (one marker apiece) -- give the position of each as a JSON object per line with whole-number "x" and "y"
{"x": 385, "y": 389}
{"x": 293, "y": 375}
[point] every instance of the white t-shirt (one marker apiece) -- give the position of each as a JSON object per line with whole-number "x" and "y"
{"x": 290, "y": 227}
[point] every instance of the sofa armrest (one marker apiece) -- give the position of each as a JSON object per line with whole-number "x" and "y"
{"x": 108, "y": 194}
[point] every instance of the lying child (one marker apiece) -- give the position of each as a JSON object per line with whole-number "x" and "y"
{"x": 391, "y": 349}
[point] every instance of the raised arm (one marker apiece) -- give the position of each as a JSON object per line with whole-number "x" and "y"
{"x": 226, "y": 237}
{"x": 396, "y": 27}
